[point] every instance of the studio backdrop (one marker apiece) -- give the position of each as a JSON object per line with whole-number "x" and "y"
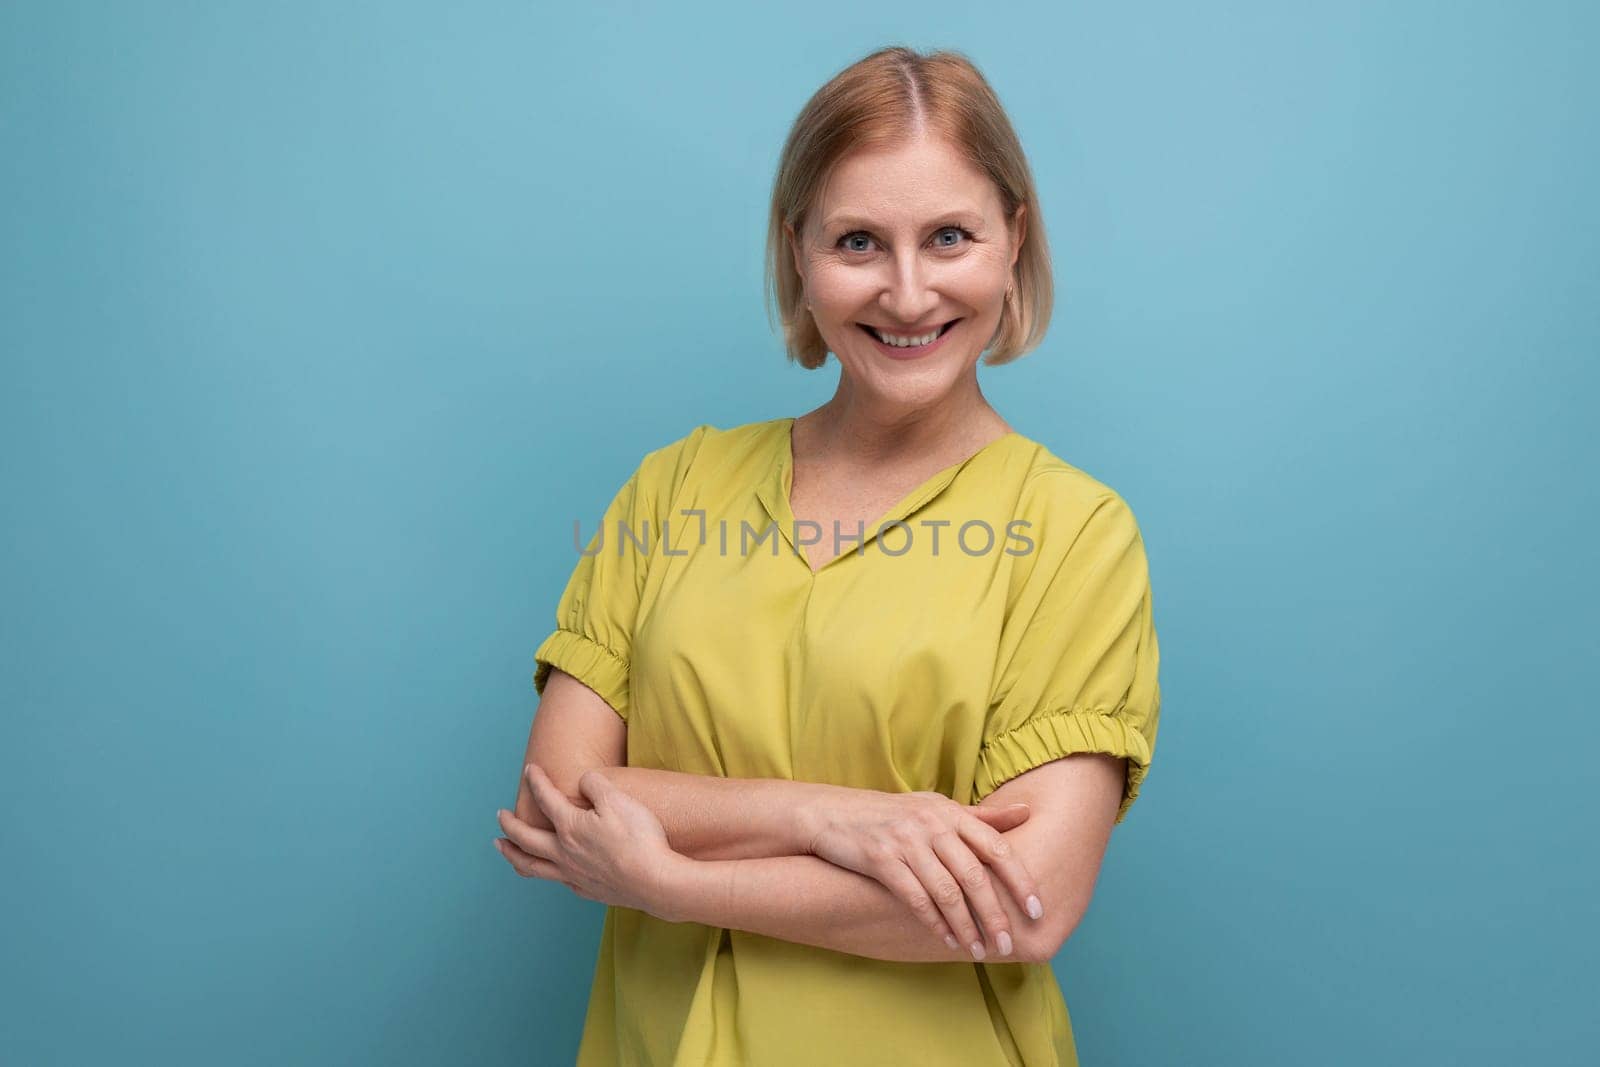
{"x": 323, "y": 324}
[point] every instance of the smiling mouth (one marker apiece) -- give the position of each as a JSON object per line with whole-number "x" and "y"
{"x": 942, "y": 331}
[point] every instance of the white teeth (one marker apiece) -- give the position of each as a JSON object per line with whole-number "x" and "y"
{"x": 906, "y": 342}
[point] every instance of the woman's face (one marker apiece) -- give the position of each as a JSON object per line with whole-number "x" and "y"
{"x": 907, "y": 241}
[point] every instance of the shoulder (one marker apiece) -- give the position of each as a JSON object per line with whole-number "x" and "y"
{"x": 1071, "y": 514}
{"x": 707, "y": 453}
{"x": 1055, "y": 489}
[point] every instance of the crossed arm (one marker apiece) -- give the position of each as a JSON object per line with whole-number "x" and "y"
{"x": 748, "y": 838}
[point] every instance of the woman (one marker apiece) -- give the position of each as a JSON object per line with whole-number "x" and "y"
{"x": 809, "y": 742}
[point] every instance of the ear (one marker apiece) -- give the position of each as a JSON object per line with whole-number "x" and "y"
{"x": 1019, "y": 231}
{"x": 794, "y": 249}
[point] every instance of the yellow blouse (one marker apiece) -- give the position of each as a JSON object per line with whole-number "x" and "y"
{"x": 996, "y": 618}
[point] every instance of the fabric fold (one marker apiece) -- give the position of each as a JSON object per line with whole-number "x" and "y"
{"x": 587, "y": 660}
{"x": 1051, "y": 736}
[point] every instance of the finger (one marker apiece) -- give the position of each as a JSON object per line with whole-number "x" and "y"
{"x": 900, "y": 881}
{"x": 1007, "y": 818}
{"x": 511, "y": 853}
{"x": 993, "y": 849}
{"x": 534, "y": 840}
{"x": 948, "y": 897}
{"x": 538, "y": 868}
{"x": 526, "y": 865}
{"x": 552, "y": 801}
{"x": 973, "y": 876}
{"x": 596, "y": 788}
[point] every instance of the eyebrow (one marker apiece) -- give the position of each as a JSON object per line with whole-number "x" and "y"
{"x": 862, "y": 222}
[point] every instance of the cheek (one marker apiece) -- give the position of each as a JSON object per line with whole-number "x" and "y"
{"x": 979, "y": 276}
{"x": 835, "y": 287}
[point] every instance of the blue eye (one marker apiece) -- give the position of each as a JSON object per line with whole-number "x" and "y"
{"x": 862, "y": 234}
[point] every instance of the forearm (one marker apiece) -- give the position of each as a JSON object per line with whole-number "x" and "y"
{"x": 712, "y": 818}
{"x": 811, "y": 901}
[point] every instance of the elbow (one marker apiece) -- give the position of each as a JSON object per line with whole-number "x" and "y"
{"x": 1043, "y": 943}
{"x": 1049, "y": 935}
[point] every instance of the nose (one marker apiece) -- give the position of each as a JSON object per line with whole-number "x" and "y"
{"x": 909, "y": 298}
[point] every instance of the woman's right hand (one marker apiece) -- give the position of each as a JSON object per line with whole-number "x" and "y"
{"x": 932, "y": 853}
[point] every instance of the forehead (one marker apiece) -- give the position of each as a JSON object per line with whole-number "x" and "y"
{"x": 908, "y": 183}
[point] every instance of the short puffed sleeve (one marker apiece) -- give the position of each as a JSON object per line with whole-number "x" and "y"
{"x": 1078, "y": 657}
{"x": 599, "y": 608}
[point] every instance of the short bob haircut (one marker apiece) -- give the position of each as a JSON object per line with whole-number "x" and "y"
{"x": 880, "y": 101}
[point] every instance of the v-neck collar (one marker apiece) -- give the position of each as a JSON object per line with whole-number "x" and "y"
{"x": 773, "y": 492}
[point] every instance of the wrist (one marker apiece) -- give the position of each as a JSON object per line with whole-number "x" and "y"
{"x": 803, "y": 821}
{"x": 676, "y": 883}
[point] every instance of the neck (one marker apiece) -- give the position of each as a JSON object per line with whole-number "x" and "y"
{"x": 875, "y": 432}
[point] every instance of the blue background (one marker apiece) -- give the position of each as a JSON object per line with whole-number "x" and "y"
{"x": 322, "y": 323}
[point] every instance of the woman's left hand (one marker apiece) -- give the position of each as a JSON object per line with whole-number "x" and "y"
{"x": 615, "y": 853}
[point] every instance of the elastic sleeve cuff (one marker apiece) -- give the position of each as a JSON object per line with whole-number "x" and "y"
{"x": 587, "y": 660}
{"x": 1049, "y": 737}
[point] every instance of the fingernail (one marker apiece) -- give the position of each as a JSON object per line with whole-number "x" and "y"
{"x": 497, "y": 844}
{"x": 977, "y": 950}
{"x": 952, "y": 942}
{"x": 1035, "y": 909}
{"x": 1005, "y": 943}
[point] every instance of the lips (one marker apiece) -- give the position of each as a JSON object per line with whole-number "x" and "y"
{"x": 907, "y": 333}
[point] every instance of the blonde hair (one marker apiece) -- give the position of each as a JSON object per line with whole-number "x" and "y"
{"x": 880, "y": 101}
